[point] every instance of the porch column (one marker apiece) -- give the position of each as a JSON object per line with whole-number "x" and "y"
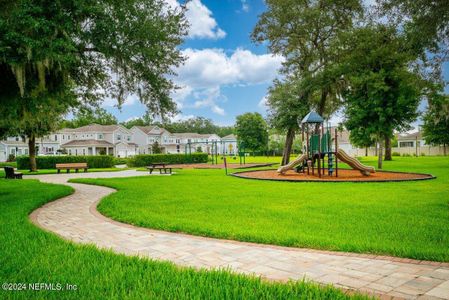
{"x": 94, "y": 151}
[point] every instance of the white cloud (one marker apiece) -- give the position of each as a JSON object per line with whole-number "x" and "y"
{"x": 181, "y": 117}
{"x": 130, "y": 100}
{"x": 209, "y": 98}
{"x": 245, "y": 5}
{"x": 263, "y": 103}
{"x": 206, "y": 71}
{"x": 202, "y": 24}
{"x": 212, "y": 67}
{"x": 200, "y": 19}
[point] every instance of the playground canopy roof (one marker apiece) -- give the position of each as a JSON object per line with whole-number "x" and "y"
{"x": 312, "y": 117}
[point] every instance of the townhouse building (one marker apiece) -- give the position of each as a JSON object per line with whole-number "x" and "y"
{"x": 116, "y": 140}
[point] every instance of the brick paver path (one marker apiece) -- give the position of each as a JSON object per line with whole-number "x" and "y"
{"x": 75, "y": 218}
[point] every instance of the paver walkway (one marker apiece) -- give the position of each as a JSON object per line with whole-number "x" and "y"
{"x": 75, "y": 218}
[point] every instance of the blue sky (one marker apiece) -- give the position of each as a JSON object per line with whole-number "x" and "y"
{"x": 225, "y": 73}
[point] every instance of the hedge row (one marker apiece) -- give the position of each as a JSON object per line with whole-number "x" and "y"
{"x": 49, "y": 162}
{"x": 146, "y": 159}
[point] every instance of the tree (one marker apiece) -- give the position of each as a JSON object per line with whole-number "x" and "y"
{"x": 436, "y": 126}
{"x": 252, "y": 131}
{"x": 426, "y": 25}
{"x": 426, "y": 22}
{"x": 50, "y": 49}
{"x": 383, "y": 94}
{"x": 306, "y": 34}
{"x": 36, "y": 119}
{"x": 145, "y": 120}
{"x": 88, "y": 116}
{"x": 286, "y": 105}
{"x": 361, "y": 138}
{"x": 156, "y": 148}
{"x": 199, "y": 125}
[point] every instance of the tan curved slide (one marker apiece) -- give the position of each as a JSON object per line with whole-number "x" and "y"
{"x": 292, "y": 164}
{"x": 354, "y": 163}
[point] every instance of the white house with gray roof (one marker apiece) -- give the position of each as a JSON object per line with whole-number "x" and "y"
{"x": 97, "y": 139}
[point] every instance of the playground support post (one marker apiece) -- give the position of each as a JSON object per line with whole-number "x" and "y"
{"x": 322, "y": 136}
{"x": 336, "y": 149}
{"x": 307, "y": 149}
{"x": 319, "y": 153}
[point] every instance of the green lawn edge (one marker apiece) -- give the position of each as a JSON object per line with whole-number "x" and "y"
{"x": 423, "y": 238}
{"x": 31, "y": 255}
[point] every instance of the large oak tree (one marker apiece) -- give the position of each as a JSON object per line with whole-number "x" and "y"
{"x": 383, "y": 93}
{"x": 82, "y": 51}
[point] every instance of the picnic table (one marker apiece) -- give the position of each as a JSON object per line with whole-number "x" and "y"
{"x": 71, "y": 166}
{"x": 161, "y": 166}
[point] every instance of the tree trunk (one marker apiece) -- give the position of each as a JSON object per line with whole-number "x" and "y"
{"x": 32, "y": 151}
{"x": 288, "y": 146}
{"x": 379, "y": 154}
{"x": 387, "y": 148}
{"x": 444, "y": 149}
{"x": 322, "y": 103}
{"x": 366, "y": 151}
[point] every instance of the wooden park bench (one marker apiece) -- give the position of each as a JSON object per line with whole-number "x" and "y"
{"x": 11, "y": 174}
{"x": 71, "y": 166}
{"x": 159, "y": 166}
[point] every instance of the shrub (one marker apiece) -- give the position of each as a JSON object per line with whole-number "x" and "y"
{"x": 49, "y": 162}
{"x": 120, "y": 160}
{"x": 146, "y": 159}
{"x": 8, "y": 164}
{"x": 11, "y": 158}
{"x": 423, "y": 154}
{"x": 395, "y": 154}
{"x": 406, "y": 154}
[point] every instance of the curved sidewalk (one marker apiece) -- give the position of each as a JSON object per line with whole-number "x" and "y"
{"x": 75, "y": 218}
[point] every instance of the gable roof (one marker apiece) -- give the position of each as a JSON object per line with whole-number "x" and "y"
{"x": 152, "y": 129}
{"x": 95, "y": 128}
{"x": 230, "y": 137}
{"x": 410, "y": 136}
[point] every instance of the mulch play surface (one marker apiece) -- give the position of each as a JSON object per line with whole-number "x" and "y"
{"x": 220, "y": 166}
{"x": 343, "y": 175}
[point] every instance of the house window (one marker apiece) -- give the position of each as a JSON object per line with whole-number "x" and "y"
{"x": 84, "y": 151}
{"x": 178, "y": 141}
{"x": 128, "y": 138}
{"x": 17, "y": 138}
{"x": 119, "y": 137}
{"x": 56, "y": 137}
{"x": 406, "y": 144}
{"x": 70, "y": 152}
{"x": 63, "y": 137}
{"x": 68, "y": 137}
{"x": 100, "y": 136}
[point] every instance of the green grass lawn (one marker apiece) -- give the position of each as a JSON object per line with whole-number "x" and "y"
{"x": 31, "y": 255}
{"x": 406, "y": 219}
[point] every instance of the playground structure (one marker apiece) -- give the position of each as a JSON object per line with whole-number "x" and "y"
{"x": 219, "y": 148}
{"x": 317, "y": 144}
